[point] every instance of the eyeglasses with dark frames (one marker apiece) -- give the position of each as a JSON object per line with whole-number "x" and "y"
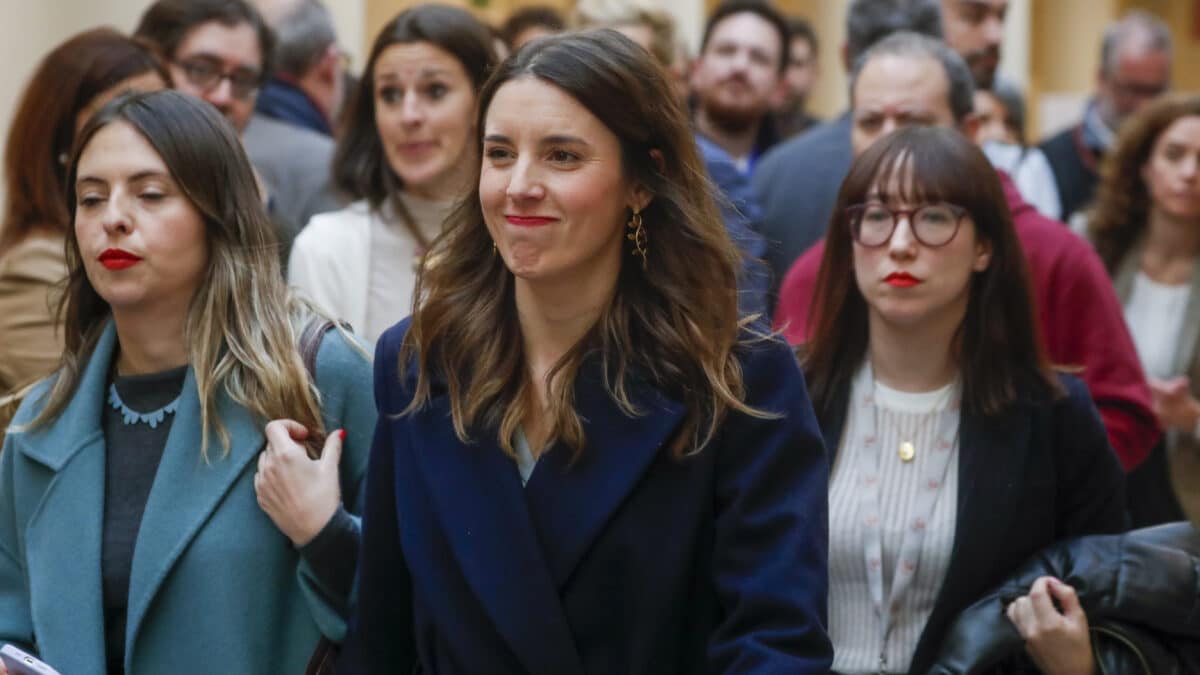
{"x": 873, "y": 223}
{"x": 205, "y": 72}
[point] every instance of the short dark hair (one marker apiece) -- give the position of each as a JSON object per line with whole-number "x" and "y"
{"x": 960, "y": 82}
{"x": 997, "y": 345}
{"x": 800, "y": 27}
{"x": 167, "y": 22}
{"x": 360, "y": 167}
{"x": 869, "y": 21}
{"x": 761, "y": 9}
{"x": 529, "y": 17}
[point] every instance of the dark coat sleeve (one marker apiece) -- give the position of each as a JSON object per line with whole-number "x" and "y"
{"x": 1091, "y": 481}
{"x": 771, "y": 545}
{"x": 381, "y": 637}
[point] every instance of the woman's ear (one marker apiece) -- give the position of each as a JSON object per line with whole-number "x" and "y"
{"x": 983, "y": 256}
{"x": 642, "y": 196}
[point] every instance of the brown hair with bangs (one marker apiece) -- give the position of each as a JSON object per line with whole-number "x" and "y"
{"x": 673, "y": 324}
{"x": 998, "y": 348}
{"x": 1118, "y": 216}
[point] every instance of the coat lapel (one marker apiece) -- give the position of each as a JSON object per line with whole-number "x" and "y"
{"x": 63, "y": 539}
{"x": 571, "y": 497}
{"x": 186, "y": 491}
{"x": 989, "y": 476}
{"x": 478, "y": 496}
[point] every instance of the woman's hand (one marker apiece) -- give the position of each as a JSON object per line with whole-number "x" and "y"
{"x": 1057, "y": 641}
{"x": 1174, "y": 404}
{"x": 298, "y": 493}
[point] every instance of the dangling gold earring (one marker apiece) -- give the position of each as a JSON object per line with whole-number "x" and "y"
{"x": 638, "y": 236}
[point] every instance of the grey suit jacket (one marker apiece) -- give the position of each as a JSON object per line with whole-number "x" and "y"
{"x": 294, "y": 163}
{"x": 797, "y": 184}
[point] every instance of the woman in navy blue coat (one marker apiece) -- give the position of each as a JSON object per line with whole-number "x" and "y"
{"x": 584, "y": 462}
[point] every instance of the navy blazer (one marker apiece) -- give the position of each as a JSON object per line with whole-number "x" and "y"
{"x": 1040, "y": 472}
{"x": 619, "y": 560}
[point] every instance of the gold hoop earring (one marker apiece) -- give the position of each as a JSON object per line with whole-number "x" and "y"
{"x": 638, "y": 237}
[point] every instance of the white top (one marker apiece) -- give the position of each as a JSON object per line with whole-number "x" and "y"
{"x": 1155, "y": 314}
{"x": 340, "y": 258}
{"x": 1031, "y": 172}
{"x": 854, "y": 627}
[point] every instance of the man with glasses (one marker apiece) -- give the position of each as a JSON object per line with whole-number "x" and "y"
{"x": 1135, "y": 68}
{"x": 220, "y": 51}
{"x": 909, "y": 79}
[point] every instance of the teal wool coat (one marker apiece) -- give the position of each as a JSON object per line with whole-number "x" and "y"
{"x": 214, "y": 585}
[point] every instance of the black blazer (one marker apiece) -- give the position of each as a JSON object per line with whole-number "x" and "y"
{"x": 1040, "y": 472}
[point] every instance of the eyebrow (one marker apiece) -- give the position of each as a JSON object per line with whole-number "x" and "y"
{"x": 216, "y": 58}
{"x": 139, "y": 176}
{"x": 553, "y": 139}
{"x": 425, "y": 72}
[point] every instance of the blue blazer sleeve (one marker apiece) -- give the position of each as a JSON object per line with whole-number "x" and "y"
{"x": 381, "y": 638}
{"x": 771, "y": 545}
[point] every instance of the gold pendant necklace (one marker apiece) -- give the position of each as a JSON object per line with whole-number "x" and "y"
{"x": 906, "y": 451}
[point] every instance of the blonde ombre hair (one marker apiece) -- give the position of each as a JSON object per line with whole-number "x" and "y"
{"x": 243, "y": 325}
{"x": 673, "y": 324}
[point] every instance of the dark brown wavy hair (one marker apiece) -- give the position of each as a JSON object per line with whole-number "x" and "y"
{"x": 673, "y": 325}
{"x": 1118, "y": 215}
{"x": 998, "y": 348}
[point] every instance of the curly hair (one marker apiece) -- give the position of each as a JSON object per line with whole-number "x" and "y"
{"x": 1118, "y": 215}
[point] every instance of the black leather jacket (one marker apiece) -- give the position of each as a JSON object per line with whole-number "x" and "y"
{"x": 1141, "y": 593}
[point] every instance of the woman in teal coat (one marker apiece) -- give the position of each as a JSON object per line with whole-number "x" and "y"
{"x": 148, "y": 524}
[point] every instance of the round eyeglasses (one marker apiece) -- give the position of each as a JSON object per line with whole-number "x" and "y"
{"x": 872, "y": 224}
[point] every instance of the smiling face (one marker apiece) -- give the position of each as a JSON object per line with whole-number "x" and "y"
{"x": 905, "y": 282}
{"x": 553, "y": 188}
{"x": 1172, "y": 173}
{"x": 143, "y": 243}
{"x": 425, "y": 114}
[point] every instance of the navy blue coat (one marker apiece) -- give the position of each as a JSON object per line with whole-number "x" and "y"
{"x": 624, "y": 560}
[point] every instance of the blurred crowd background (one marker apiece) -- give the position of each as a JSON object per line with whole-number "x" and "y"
{"x": 1050, "y": 46}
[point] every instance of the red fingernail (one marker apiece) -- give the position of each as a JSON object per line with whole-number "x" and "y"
{"x": 342, "y": 434}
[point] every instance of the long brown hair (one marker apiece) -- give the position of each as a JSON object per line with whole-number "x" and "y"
{"x": 673, "y": 324}
{"x": 998, "y": 347}
{"x": 242, "y": 325}
{"x": 1119, "y": 213}
{"x": 43, "y": 129}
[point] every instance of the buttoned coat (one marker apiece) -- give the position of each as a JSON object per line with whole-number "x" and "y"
{"x": 619, "y": 559}
{"x": 214, "y": 585}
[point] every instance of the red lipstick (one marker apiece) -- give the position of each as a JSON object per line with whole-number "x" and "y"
{"x": 901, "y": 280}
{"x": 118, "y": 259}
{"x": 528, "y": 221}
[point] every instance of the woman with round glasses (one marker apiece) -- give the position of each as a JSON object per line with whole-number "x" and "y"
{"x": 958, "y": 451}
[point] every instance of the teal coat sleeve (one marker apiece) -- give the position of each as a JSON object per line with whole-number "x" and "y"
{"x": 343, "y": 374}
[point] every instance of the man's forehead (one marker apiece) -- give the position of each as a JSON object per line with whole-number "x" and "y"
{"x": 745, "y": 27}
{"x": 991, "y": 5}
{"x": 235, "y": 44}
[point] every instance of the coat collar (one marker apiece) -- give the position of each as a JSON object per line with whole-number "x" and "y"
{"x": 186, "y": 491}
{"x": 517, "y": 546}
{"x": 991, "y": 459}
